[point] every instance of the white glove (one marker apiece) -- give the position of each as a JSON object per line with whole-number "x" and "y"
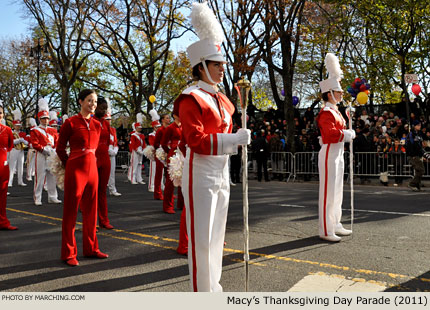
{"x": 349, "y": 135}
{"x": 25, "y": 142}
{"x": 243, "y": 136}
{"x": 16, "y": 141}
{"x": 320, "y": 141}
{"x": 46, "y": 150}
{"x": 115, "y": 150}
{"x": 139, "y": 150}
{"x": 111, "y": 152}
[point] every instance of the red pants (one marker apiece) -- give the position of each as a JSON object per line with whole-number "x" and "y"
{"x": 80, "y": 188}
{"x": 4, "y": 180}
{"x": 159, "y": 170}
{"x": 103, "y": 167}
{"x": 169, "y": 201}
{"x": 183, "y": 236}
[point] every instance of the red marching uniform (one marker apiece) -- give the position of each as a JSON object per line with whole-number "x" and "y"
{"x": 6, "y": 144}
{"x": 159, "y": 170}
{"x": 183, "y": 235}
{"x": 152, "y": 164}
{"x": 103, "y": 169}
{"x": 169, "y": 143}
{"x": 80, "y": 183}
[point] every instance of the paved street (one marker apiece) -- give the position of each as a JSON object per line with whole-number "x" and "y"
{"x": 389, "y": 250}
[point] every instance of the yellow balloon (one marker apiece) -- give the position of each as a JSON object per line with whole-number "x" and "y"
{"x": 362, "y": 98}
{"x": 152, "y": 98}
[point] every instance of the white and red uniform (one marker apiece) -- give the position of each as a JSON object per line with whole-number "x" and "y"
{"x": 31, "y": 158}
{"x": 6, "y": 144}
{"x": 113, "y": 150}
{"x": 152, "y": 164}
{"x": 206, "y": 123}
{"x": 169, "y": 143}
{"x": 331, "y": 167}
{"x": 44, "y": 141}
{"x": 16, "y": 156}
{"x": 137, "y": 144}
{"x": 103, "y": 168}
{"x": 159, "y": 167}
{"x": 80, "y": 183}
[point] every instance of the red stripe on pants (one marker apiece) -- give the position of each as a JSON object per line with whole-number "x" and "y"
{"x": 103, "y": 169}
{"x": 4, "y": 181}
{"x": 193, "y": 238}
{"x": 325, "y": 188}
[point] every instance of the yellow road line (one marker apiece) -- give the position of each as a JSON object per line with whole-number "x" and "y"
{"x": 228, "y": 250}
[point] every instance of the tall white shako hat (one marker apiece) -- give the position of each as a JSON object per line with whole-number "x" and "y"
{"x": 155, "y": 118}
{"x": 53, "y": 117}
{"x": 16, "y": 117}
{"x": 32, "y": 122}
{"x": 210, "y": 34}
{"x": 139, "y": 120}
{"x": 335, "y": 74}
{"x": 63, "y": 119}
{"x": 108, "y": 115}
{"x": 43, "y": 109}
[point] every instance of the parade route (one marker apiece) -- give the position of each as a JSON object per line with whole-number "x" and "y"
{"x": 387, "y": 252}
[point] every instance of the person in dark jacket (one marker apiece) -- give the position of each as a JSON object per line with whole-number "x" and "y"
{"x": 260, "y": 148}
{"x": 363, "y": 148}
{"x": 415, "y": 153}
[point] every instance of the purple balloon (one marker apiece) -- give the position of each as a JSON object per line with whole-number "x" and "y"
{"x": 295, "y": 100}
{"x": 283, "y": 92}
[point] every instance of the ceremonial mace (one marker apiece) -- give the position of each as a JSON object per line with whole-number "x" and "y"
{"x": 351, "y": 166}
{"x": 244, "y": 87}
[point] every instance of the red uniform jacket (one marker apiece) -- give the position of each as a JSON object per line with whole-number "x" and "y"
{"x": 83, "y": 137}
{"x": 6, "y": 142}
{"x": 331, "y": 124}
{"x": 201, "y": 123}
{"x": 171, "y": 138}
{"x": 151, "y": 138}
{"x": 159, "y": 136}
{"x": 41, "y": 137}
{"x": 104, "y": 142}
{"x": 137, "y": 140}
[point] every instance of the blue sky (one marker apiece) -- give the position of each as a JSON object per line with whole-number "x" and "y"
{"x": 12, "y": 25}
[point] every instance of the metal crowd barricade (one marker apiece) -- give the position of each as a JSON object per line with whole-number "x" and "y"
{"x": 122, "y": 160}
{"x": 282, "y": 163}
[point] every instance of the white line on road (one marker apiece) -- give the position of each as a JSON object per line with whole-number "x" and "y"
{"x": 368, "y": 211}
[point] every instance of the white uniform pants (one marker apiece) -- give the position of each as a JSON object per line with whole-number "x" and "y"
{"x": 206, "y": 191}
{"x": 31, "y": 161}
{"x": 16, "y": 164}
{"x": 135, "y": 169}
{"x": 111, "y": 183}
{"x": 152, "y": 176}
{"x": 331, "y": 167}
{"x": 42, "y": 175}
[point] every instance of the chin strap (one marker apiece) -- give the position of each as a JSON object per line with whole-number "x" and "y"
{"x": 332, "y": 96}
{"x": 207, "y": 71}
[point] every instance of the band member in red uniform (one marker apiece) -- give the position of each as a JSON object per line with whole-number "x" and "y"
{"x": 31, "y": 153}
{"x": 330, "y": 159}
{"x": 155, "y": 123}
{"x": 113, "y": 150}
{"x": 16, "y": 155}
{"x": 82, "y": 132}
{"x": 137, "y": 144}
{"x": 205, "y": 115}
{"x": 169, "y": 143}
{"x": 6, "y": 144}
{"x": 183, "y": 235}
{"x": 160, "y": 168}
{"x": 44, "y": 141}
{"x": 103, "y": 162}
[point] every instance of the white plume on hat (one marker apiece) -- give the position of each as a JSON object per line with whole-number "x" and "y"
{"x": 32, "y": 122}
{"x": 154, "y": 115}
{"x": 65, "y": 116}
{"x": 335, "y": 74}
{"x": 43, "y": 105}
{"x": 205, "y": 23}
{"x": 333, "y": 67}
{"x": 17, "y": 115}
{"x": 53, "y": 115}
{"x": 139, "y": 118}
